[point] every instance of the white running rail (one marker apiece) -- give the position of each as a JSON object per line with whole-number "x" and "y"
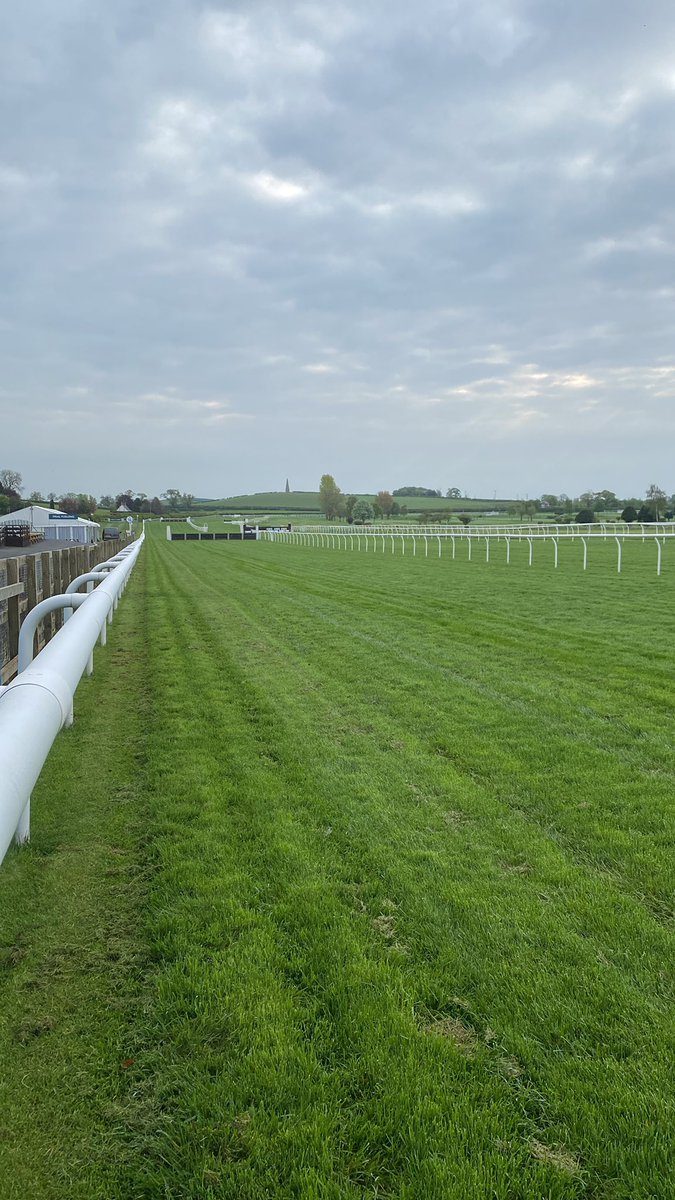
{"x": 199, "y": 528}
{"x": 36, "y": 705}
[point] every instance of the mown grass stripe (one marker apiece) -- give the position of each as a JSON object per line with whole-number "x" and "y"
{"x": 405, "y": 901}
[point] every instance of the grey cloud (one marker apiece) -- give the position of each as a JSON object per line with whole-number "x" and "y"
{"x": 367, "y": 239}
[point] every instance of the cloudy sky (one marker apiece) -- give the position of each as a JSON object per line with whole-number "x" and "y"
{"x": 426, "y": 243}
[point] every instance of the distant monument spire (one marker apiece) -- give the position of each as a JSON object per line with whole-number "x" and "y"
{"x": 287, "y": 486}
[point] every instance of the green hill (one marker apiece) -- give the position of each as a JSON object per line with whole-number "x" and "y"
{"x": 308, "y": 502}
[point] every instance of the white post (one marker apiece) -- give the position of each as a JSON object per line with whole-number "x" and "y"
{"x": 618, "y": 557}
{"x": 658, "y": 559}
{"x": 168, "y": 533}
{"x": 22, "y": 831}
{"x": 530, "y": 541}
{"x": 585, "y": 552}
{"x": 508, "y": 550}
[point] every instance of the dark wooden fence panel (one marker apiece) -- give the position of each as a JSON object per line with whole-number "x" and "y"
{"x": 39, "y": 576}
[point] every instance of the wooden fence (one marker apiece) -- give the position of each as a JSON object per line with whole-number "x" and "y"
{"x": 26, "y": 579}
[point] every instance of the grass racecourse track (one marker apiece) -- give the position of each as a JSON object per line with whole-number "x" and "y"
{"x": 353, "y": 878}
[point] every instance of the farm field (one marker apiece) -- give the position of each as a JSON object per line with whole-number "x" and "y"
{"x": 353, "y": 879}
{"x": 298, "y": 503}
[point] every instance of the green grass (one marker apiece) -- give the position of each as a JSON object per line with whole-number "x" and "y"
{"x": 392, "y": 914}
{"x": 308, "y": 502}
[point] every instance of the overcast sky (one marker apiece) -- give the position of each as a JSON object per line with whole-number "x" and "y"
{"x": 426, "y": 243}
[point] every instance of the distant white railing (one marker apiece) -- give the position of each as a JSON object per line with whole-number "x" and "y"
{"x": 36, "y": 705}
{"x": 379, "y": 538}
{"x": 199, "y": 528}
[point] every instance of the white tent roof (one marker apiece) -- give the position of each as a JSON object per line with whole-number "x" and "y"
{"x": 41, "y": 518}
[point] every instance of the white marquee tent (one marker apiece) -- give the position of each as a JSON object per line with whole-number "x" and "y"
{"x": 53, "y": 525}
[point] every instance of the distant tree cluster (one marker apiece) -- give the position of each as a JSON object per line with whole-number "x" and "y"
{"x": 138, "y": 502}
{"x": 335, "y": 505}
{"x": 584, "y": 509}
{"x": 79, "y": 504}
{"x": 419, "y": 491}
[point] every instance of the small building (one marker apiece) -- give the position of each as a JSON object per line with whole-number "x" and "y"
{"x": 53, "y": 525}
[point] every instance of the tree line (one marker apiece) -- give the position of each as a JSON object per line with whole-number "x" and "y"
{"x": 656, "y": 505}
{"x": 84, "y": 505}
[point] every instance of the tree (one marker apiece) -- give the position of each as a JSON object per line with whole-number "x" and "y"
{"x": 187, "y": 500}
{"x": 523, "y": 508}
{"x": 68, "y": 503}
{"x": 156, "y": 506}
{"x": 464, "y": 518}
{"x": 146, "y": 505}
{"x": 363, "y": 511}
{"x": 107, "y": 502}
{"x": 331, "y": 500}
{"x": 123, "y": 498}
{"x": 585, "y": 516}
{"x": 605, "y": 501}
{"x": 36, "y": 498}
{"x": 349, "y": 507}
{"x": 386, "y": 502}
{"x": 629, "y": 514}
{"x": 453, "y": 494}
{"x": 416, "y": 491}
{"x": 172, "y": 497}
{"x": 657, "y": 498}
{"x": 4, "y": 504}
{"x": 10, "y": 481}
{"x": 548, "y": 500}
{"x": 646, "y": 513}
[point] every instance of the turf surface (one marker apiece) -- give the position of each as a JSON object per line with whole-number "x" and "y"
{"x": 352, "y": 879}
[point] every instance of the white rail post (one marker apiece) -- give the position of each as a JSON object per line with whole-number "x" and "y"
{"x": 585, "y": 544}
{"x": 618, "y": 557}
{"x": 530, "y": 541}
